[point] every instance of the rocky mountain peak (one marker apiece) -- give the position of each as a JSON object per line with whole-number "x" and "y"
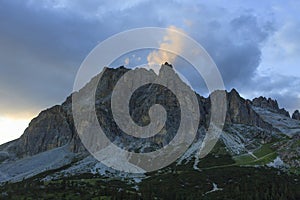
{"x": 296, "y": 115}
{"x": 54, "y": 127}
{"x": 263, "y": 102}
{"x": 240, "y": 111}
{"x": 234, "y": 92}
{"x": 249, "y": 124}
{"x": 269, "y": 104}
{"x": 167, "y": 64}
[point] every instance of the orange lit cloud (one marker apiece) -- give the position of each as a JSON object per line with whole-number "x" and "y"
{"x": 170, "y": 41}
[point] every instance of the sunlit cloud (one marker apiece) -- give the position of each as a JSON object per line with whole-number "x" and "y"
{"x": 170, "y": 41}
{"x": 126, "y": 61}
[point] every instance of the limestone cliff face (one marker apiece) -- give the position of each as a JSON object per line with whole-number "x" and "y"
{"x": 269, "y": 104}
{"x": 296, "y": 115}
{"x": 240, "y": 112}
{"x": 47, "y": 131}
{"x": 54, "y": 127}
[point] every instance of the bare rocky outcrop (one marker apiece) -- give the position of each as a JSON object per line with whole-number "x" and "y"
{"x": 296, "y": 115}
{"x": 47, "y": 131}
{"x": 240, "y": 112}
{"x": 54, "y": 127}
{"x": 289, "y": 151}
{"x": 269, "y": 104}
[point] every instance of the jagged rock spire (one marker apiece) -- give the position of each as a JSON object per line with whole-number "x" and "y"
{"x": 296, "y": 115}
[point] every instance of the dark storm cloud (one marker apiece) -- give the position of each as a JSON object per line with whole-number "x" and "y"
{"x": 44, "y": 42}
{"x": 234, "y": 43}
{"x": 285, "y": 89}
{"x": 39, "y": 54}
{"x": 235, "y": 46}
{"x": 41, "y": 50}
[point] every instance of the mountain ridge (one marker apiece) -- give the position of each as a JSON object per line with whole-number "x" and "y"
{"x": 247, "y": 128}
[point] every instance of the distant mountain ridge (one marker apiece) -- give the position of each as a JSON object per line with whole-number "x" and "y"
{"x": 51, "y": 140}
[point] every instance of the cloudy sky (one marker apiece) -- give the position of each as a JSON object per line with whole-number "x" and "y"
{"x": 255, "y": 44}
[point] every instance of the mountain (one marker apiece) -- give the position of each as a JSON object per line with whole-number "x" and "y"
{"x": 296, "y": 115}
{"x": 258, "y": 139}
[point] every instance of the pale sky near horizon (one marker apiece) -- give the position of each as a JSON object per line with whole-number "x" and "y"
{"x": 255, "y": 44}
